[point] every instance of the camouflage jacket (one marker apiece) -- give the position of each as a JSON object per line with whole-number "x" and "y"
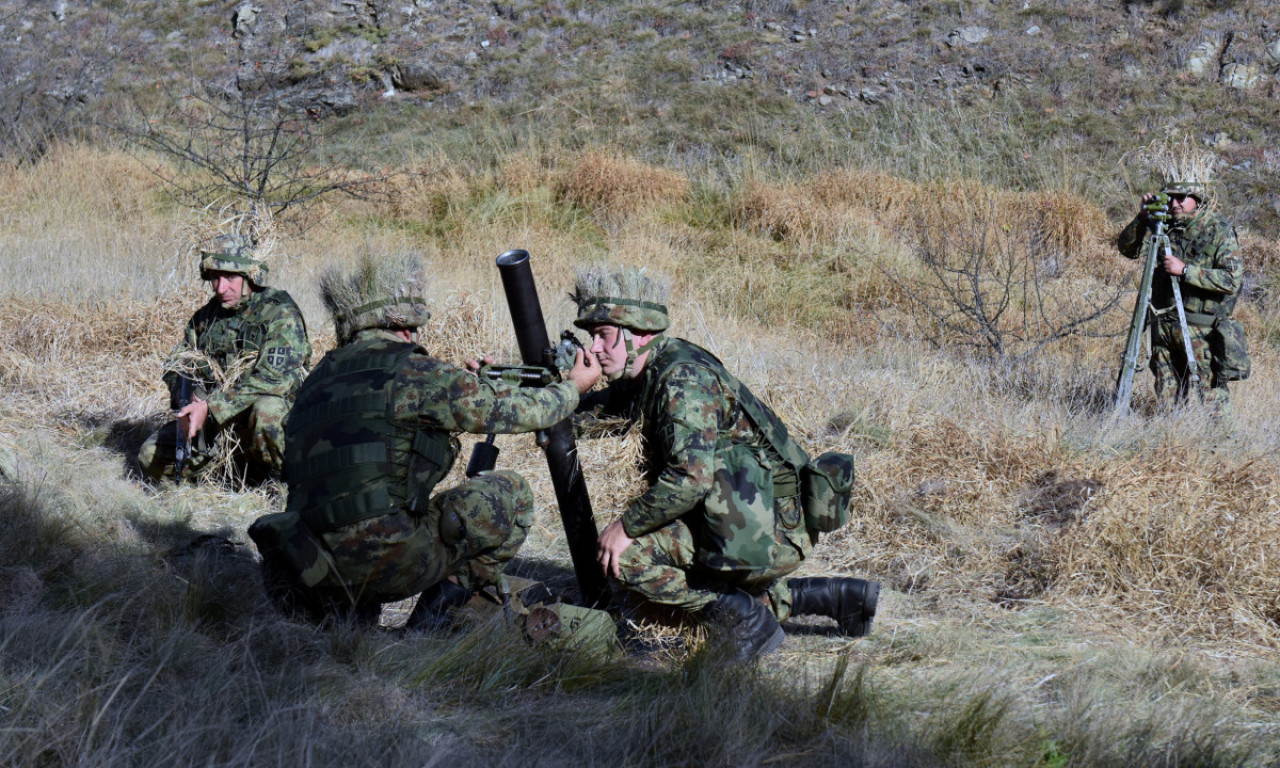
{"x": 371, "y": 430}
{"x": 267, "y": 329}
{"x": 686, "y": 410}
{"x": 1207, "y": 243}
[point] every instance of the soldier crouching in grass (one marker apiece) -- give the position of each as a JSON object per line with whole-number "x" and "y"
{"x": 721, "y": 523}
{"x": 236, "y": 370}
{"x": 371, "y": 435}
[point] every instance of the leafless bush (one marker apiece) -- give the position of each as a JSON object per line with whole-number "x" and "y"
{"x": 243, "y": 143}
{"x": 1001, "y": 281}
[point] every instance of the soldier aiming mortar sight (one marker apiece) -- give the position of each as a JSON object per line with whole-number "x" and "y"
{"x": 1190, "y": 282}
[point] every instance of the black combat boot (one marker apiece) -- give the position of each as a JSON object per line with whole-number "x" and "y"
{"x": 851, "y": 602}
{"x": 749, "y": 625}
{"x": 435, "y": 607}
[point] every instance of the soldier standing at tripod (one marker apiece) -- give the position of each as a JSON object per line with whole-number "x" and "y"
{"x": 1203, "y": 261}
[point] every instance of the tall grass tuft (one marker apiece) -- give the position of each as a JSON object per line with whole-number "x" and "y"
{"x": 616, "y": 186}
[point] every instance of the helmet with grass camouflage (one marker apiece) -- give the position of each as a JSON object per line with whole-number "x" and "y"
{"x": 234, "y": 255}
{"x": 627, "y": 298}
{"x": 380, "y": 292}
{"x": 1189, "y": 188}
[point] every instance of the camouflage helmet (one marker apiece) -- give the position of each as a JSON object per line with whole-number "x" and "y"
{"x": 1189, "y": 188}
{"x": 234, "y": 255}
{"x": 627, "y": 298}
{"x": 380, "y": 292}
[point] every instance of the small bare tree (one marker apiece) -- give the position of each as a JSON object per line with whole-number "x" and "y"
{"x": 245, "y": 143}
{"x": 254, "y": 136}
{"x": 995, "y": 280}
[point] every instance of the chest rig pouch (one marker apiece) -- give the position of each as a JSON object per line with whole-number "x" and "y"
{"x": 349, "y": 459}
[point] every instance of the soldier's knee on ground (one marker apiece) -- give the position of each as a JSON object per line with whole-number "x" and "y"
{"x": 486, "y": 513}
{"x": 147, "y": 459}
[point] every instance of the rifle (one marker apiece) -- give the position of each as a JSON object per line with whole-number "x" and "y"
{"x": 182, "y": 449}
{"x": 538, "y": 375}
{"x": 1158, "y": 211}
{"x": 557, "y": 442}
{"x": 484, "y": 456}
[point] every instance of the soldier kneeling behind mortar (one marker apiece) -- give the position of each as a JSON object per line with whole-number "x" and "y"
{"x": 248, "y": 324}
{"x": 721, "y": 523}
{"x": 371, "y": 435}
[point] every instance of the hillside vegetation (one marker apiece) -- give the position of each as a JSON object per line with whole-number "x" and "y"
{"x": 920, "y": 273}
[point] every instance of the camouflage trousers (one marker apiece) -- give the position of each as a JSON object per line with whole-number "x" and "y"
{"x": 1172, "y": 374}
{"x": 663, "y": 566}
{"x": 258, "y": 432}
{"x": 470, "y": 531}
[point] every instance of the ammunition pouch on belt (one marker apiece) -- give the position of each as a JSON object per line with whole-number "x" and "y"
{"x": 826, "y": 485}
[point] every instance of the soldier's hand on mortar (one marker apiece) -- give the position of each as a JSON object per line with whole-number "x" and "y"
{"x": 194, "y": 414}
{"x": 585, "y": 372}
{"x": 613, "y": 542}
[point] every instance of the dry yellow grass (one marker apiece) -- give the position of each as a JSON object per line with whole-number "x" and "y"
{"x": 428, "y": 192}
{"x": 979, "y": 495}
{"x": 617, "y": 186}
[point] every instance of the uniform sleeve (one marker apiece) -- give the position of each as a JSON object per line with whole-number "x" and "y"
{"x": 692, "y": 405}
{"x": 1219, "y": 268}
{"x": 452, "y": 398}
{"x": 1129, "y": 242}
{"x": 279, "y": 370}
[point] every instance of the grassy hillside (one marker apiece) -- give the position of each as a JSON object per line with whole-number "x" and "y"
{"x": 1060, "y": 588}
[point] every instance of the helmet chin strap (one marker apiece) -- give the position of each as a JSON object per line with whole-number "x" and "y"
{"x": 633, "y": 353}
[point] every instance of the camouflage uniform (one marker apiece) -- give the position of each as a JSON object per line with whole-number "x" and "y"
{"x": 266, "y": 326}
{"x": 371, "y": 435}
{"x": 685, "y": 555}
{"x": 1210, "y": 287}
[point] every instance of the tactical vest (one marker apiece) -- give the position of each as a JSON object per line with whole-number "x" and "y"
{"x": 225, "y": 335}
{"x": 347, "y": 458}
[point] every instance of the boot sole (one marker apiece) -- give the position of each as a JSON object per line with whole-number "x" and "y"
{"x": 861, "y": 627}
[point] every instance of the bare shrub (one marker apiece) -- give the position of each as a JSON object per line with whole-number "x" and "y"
{"x": 241, "y": 141}
{"x": 992, "y": 281}
{"x": 618, "y": 186}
